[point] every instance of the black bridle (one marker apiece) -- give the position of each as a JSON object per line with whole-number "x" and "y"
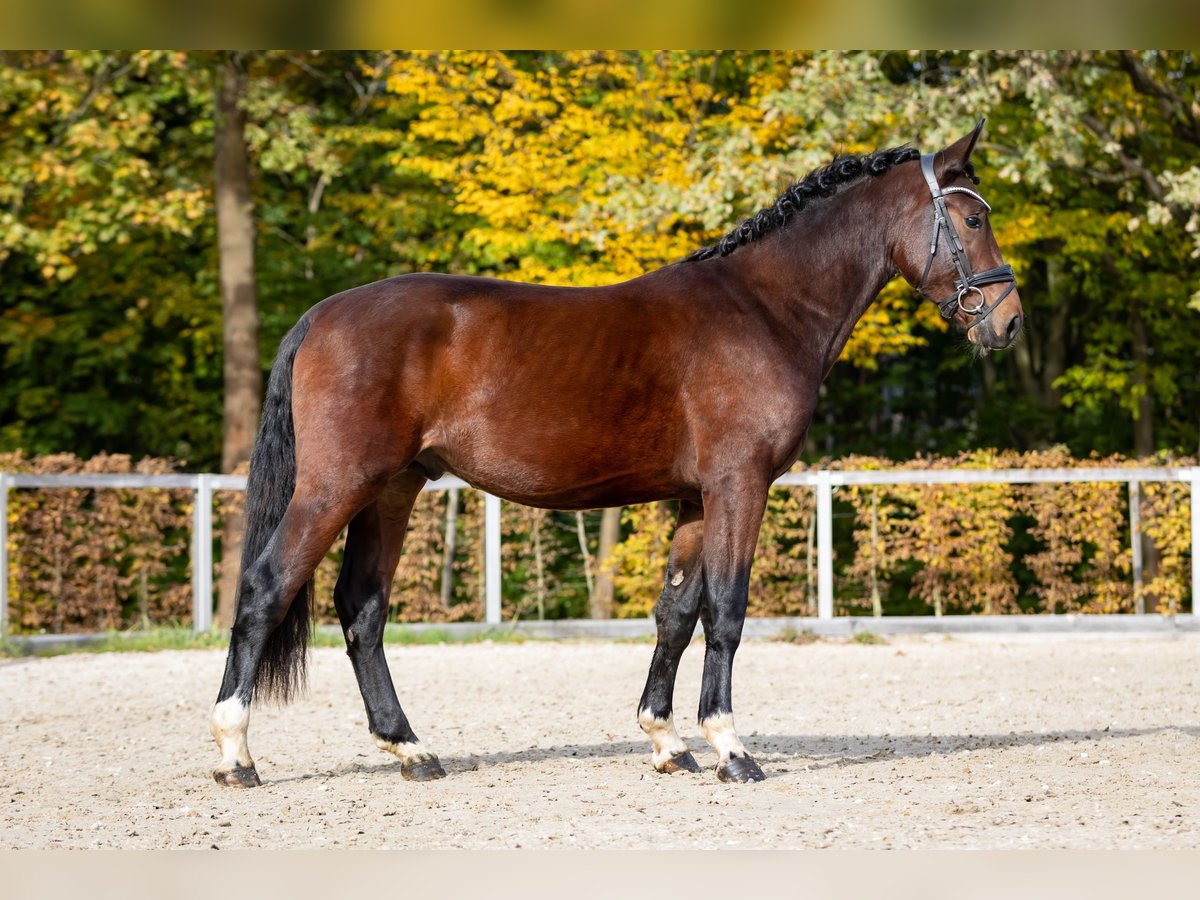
{"x": 967, "y": 281}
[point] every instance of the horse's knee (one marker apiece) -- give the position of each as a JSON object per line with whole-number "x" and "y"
{"x": 676, "y": 605}
{"x": 680, "y": 598}
{"x": 365, "y": 620}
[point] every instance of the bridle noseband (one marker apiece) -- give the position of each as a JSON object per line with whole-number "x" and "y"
{"x": 967, "y": 281}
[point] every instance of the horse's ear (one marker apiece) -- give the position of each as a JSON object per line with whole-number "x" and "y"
{"x": 954, "y": 159}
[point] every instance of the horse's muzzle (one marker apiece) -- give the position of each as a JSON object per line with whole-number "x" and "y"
{"x": 1000, "y": 330}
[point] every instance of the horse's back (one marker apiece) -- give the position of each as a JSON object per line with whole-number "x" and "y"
{"x": 525, "y": 390}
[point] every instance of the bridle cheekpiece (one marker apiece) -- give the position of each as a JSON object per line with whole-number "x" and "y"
{"x": 968, "y": 281}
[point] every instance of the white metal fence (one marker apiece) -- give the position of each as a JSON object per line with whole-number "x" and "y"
{"x": 823, "y": 482}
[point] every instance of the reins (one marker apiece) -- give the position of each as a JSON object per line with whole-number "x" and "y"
{"x": 968, "y": 281}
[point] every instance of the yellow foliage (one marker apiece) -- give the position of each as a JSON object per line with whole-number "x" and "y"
{"x": 1084, "y": 565}
{"x": 1167, "y": 520}
{"x": 639, "y": 562}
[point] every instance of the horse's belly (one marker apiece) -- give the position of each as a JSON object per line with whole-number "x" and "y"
{"x": 565, "y": 471}
{"x": 590, "y": 496}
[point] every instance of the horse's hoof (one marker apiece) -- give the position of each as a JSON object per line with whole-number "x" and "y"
{"x": 741, "y": 769}
{"x": 241, "y": 776}
{"x": 427, "y": 769}
{"x": 684, "y": 762}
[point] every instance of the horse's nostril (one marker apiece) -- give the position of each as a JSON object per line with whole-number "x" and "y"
{"x": 1014, "y": 326}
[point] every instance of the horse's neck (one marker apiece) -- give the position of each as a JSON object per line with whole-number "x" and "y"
{"x": 818, "y": 275}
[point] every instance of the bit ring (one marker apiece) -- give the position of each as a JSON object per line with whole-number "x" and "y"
{"x": 968, "y": 310}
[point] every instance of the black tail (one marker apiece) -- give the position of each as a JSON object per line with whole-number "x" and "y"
{"x": 269, "y": 489}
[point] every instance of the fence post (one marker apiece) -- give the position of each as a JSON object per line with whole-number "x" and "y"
{"x": 491, "y": 557}
{"x": 1135, "y": 542}
{"x": 202, "y": 562}
{"x": 824, "y": 545}
{"x": 1195, "y": 499}
{"x": 4, "y": 555}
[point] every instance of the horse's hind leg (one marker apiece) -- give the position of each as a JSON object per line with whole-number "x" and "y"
{"x": 373, "y": 548}
{"x": 315, "y": 515}
{"x": 675, "y": 614}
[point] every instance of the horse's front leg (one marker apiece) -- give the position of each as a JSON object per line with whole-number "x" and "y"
{"x": 733, "y": 511}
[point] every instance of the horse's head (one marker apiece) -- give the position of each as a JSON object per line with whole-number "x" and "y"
{"x": 946, "y": 248}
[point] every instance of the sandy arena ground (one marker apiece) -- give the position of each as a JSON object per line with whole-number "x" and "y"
{"x": 1080, "y": 742}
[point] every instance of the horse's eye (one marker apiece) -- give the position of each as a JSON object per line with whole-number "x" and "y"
{"x": 973, "y": 221}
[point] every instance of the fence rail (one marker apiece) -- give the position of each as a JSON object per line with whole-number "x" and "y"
{"x": 823, "y": 482}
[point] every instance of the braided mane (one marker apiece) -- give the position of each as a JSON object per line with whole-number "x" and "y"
{"x": 822, "y": 182}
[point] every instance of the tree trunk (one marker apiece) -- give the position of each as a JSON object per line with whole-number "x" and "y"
{"x": 1143, "y": 438}
{"x": 239, "y": 303}
{"x": 446, "y": 591}
{"x": 876, "y": 600}
{"x": 539, "y": 563}
{"x": 588, "y": 577}
{"x": 1054, "y": 356}
{"x": 810, "y": 580}
{"x": 1040, "y": 357}
{"x": 988, "y": 369}
{"x": 610, "y": 534}
{"x": 1143, "y": 419}
{"x": 1023, "y": 360}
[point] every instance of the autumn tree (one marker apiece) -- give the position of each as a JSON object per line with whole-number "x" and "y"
{"x": 106, "y": 321}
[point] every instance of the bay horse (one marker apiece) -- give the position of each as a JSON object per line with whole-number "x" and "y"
{"x": 695, "y": 382}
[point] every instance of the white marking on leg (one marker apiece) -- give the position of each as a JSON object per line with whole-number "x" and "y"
{"x": 666, "y": 740}
{"x": 230, "y": 718}
{"x": 409, "y": 752}
{"x": 718, "y": 731}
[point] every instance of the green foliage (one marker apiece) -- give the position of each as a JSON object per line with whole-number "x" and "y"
{"x": 155, "y": 640}
{"x": 790, "y": 635}
{"x": 106, "y": 321}
{"x": 152, "y": 640}
{"x": 867, "y": 638}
